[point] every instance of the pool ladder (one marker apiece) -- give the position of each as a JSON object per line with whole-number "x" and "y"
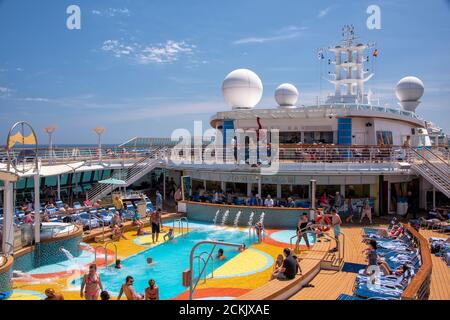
{"x": 194, "y": 282}
{"x": 105, "y": 247}
{"x": 181, "y": 225}
{"x": 201, "y": 259}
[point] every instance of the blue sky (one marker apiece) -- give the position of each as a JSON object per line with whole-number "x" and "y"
{"x": 145, "y": 68}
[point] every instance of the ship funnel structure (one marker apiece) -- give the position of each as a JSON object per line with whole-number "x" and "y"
{"x": 408, "y": 91}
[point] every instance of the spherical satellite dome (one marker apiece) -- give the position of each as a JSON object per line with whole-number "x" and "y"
{"x": 286, "y": 95}
{"x": 409, "y": 89}
{"x": 242, "y": 89}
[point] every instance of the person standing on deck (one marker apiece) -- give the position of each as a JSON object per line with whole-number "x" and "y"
{"x": 336, "y": 223}
{"x": 268, "y": 202}
{"x": 156, "y": 224}
{"x": 366, "y": 212}
{"x": 118, "y": 204}
{"x": 159, "y": 200}
{"x": 302, "y": 232}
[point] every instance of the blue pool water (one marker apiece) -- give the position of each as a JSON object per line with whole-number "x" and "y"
{"x": 170, "y": 259}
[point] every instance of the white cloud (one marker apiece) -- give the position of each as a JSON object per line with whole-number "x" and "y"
{"x": 324, "y": 12}
{"x": 161, "y": 53}
{"x": 117, "y": 48}
{"x": 5, "y": 92}
{"x": 284, "y": 33}
{"x": 112, "y": 12}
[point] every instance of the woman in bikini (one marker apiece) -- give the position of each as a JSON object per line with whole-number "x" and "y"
{"x": 91, "y": 285}
{"x": 152, "y": 292}
{"x": 277, "y": 266}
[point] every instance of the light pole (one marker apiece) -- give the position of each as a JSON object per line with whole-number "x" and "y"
{"x": 99, "y": 131}
{"x": 49, "y": 130}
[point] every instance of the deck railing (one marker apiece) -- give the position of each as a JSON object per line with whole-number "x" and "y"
{"x": 419, "y": 287}
{"x": 287, "y": 153}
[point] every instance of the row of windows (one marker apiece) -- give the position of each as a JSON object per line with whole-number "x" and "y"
{"x": 65, "y": 179}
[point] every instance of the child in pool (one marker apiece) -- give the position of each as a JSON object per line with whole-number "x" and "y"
{"x": 169, "y": 235}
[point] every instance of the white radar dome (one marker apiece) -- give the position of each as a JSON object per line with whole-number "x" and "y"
{"x": 408, "y": 91}
{"x": 242, "y": 89}
{"x": 286, "y": 95}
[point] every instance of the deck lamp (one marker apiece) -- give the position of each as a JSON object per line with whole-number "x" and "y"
{"x": 99, "y": 131}
{"x": 50, "y": 130}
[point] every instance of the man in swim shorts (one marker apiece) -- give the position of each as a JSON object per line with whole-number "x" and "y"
{"x": 156, "y": 224}
{"x": 336, "y": 223}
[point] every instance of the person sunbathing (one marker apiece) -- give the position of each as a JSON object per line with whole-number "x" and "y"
{"x": 117, "y": 233}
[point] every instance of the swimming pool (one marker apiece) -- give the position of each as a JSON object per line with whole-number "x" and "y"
{"x": 170, "y": 259}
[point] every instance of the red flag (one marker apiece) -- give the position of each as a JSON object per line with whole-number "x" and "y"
{"x": 375, "y": 53}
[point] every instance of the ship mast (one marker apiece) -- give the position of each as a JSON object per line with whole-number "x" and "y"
{"x": 349, "y": 69}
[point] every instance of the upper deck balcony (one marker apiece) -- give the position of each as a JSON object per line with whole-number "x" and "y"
{"x": 321, "y": 111}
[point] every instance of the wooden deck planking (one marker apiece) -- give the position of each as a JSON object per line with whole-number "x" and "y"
{"x": 328, "y": 285}
{"x": 309, "y": 263}
{"x": 440, "y": 276}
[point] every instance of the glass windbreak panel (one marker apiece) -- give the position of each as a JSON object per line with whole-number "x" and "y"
{"x": 64, "y": 179}
{"x": 50, "y": 181}
{"x": 213, "y": 185}
{"x": 318, "y": 137}
{"x": 30, "y": 183}
{"x": 237, "y": 188}
{"x": 87, "y": 176}
{"x": 197, "y": 185}
{"x": 21, "y": 183}
{"x": 269, "y": 189}
{"x": 357, "y": 191}
{"x": 330, "y": 190}
{"x": 106, "y": 174}
{"x": 97, "y": 175}
{"x": 76, "y": 178}
{"x": 290, "y": 137}
{"x": 300, "y": 191}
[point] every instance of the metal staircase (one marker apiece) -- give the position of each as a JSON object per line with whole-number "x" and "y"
{"x": 130, "y": 175}
{"x": 433, "y": 167}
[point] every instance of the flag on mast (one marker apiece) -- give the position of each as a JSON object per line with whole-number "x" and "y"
{"x": 375, "y": 53}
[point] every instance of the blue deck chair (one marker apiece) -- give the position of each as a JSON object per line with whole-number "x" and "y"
{"x": 347, "y": 297}
{"x": 86, "y": 220}
{"x": 129, "y": 212}
{"x": 150, "y": 207}
{"x": 77, "y": 206}
{"x": 105, "y": 216}
{"x": 365, "y": 292}
{"x": 59, "y": 204}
